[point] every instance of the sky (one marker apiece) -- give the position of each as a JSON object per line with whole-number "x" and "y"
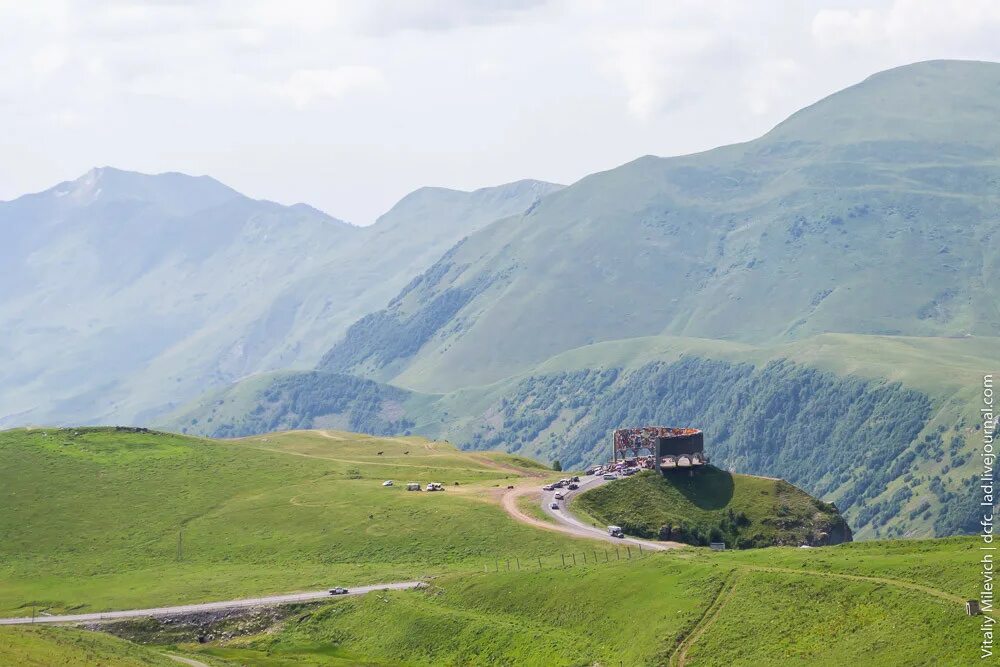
{"x": 348, "y": 106}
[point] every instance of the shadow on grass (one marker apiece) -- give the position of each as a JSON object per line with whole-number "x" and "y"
{"x": 709, "y": 488}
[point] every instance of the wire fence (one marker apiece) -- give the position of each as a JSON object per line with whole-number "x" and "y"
{"x": 564, "y": 560}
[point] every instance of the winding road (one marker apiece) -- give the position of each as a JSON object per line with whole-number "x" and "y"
{"x": 268, "y": 601}
{"x": 565, "y": 522}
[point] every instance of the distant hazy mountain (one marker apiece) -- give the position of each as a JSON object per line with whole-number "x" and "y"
{"x": 874, "y": 211}
{"x": 124, "y": 293}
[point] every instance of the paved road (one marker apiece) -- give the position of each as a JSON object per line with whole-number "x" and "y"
{"x": 269, "y": 601}
{"x": 566, "y": 518}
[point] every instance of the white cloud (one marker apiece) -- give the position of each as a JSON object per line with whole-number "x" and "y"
{"x": 307, "y": 86}
{"x": 839, "y": 27}
{"x": 953, "y": 28}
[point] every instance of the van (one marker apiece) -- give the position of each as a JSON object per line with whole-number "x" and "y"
{"x": 616, "y": 531}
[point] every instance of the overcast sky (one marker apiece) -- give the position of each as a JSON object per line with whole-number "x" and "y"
{"x": 350, "y": 105}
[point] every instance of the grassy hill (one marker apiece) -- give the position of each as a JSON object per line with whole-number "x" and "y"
{"x": 776, "y": 606}
{"x": 101, "y": 518}
{"x": 714, "y": 506}
{"x": 91, "y": 519}
{"x": 46, "y": 646}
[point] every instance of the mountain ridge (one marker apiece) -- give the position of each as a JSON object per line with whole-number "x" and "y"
{"x": 186, "y": 285}
{"x": 877, "y": 238}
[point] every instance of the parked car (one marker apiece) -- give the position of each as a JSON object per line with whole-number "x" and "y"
{"x": 573, "y": 487}
{"x": 576, "y": 478}
{"x": 413, "y": 486}
{"x": 559, "y": 495}
{"x": 435, "y": 486}
{"x": 610, "y": 476}
{"x": 554, "y": 506}
{"x": 338, "y": 591}
{"x": 548, "y": 487}
{"x": 616, "y": 531}
{"x": 387, "y": 482}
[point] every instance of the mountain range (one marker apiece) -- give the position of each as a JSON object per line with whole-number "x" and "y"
{"x": 128, "y": 294}
{"x": 821, "y": 300}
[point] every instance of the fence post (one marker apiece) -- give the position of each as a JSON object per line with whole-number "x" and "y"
{"x": 508, "y": 565}
{"x": 518, "y": 560}
{"x": 629, "y": 550}
{"x": 585, "y": 557}
{"x": 606, "y": 559}
{"x": 539, "y": 562}
{"x": 574, "y": 558}
{"x": 618, "y": 554}
{"x": 595, "y": 555}
{"x": 564, "y": 559}
{"x": 640, "y": 550}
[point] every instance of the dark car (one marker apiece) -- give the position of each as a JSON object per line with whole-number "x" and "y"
{"x": 338, "y": 591}
{"x": 576, "y": 478}
{"x": 573, "y": 487}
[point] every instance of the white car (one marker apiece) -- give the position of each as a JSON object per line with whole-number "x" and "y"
{"x": 387, "y": 482}
{"x": 558, "y": 496}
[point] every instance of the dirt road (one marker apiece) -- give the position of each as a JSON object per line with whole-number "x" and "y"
{"x": 208, "y": 606}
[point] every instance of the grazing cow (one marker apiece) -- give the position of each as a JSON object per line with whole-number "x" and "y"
{"x": 380, "y": 453}
{"x": 406, "y": 452}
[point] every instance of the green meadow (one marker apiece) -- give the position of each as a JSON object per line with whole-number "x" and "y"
{"x": 872, "y": 603}
{"x": 68, "y": 647}
{"x": 97, "y": 519}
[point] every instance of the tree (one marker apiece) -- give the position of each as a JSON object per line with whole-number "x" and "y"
{"x": 557, "y": 466}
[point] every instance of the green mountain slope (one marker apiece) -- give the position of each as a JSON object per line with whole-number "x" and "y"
{"x": 869, "y": 212}
{"x": 714, "y": 506}
{"x": 129, "y": 294}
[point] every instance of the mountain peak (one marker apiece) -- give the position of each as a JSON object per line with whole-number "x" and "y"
{"x": 171, "y": 190}
{"x": 499, "y": 200}
{"x": 947, "y": 101}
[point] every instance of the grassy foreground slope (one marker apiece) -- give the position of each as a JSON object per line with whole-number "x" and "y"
{"x": 98, "y": 519}
{"x": 715, "y": 506}
{"x": 47, "y": 646}
{"x": 873, "y": 603}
